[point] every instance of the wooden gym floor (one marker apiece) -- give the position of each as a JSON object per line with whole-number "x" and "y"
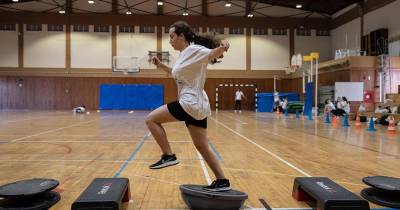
{"x": 260, "y": 153}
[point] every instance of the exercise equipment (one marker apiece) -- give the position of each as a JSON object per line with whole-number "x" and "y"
{"x": 32, "y": 194}
{"x": 383, "y": 190}
{"x": 371, "y": 126}
{"x": 104, "y": 193}
{"x": 326, "y": 194}
{"x": 198, "y": 198}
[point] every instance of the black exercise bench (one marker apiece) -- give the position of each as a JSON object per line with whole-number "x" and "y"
{"x": 327, "y": 194}
{"x": 105, "y": 194}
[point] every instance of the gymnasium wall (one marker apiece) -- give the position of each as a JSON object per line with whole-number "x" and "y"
{"x": 90, "y": 49}
{"x": 9, "y": 48}
{"x": 137, "y": 45}
{"x": 52, "y": 41}
{"x": 270, "y": 51}
{"x": 94, "y": 50}
{"x": 28, "y": 92}
{"x": 235, "y": 59}
{"x": 346, "y": 36}
{"x": 386, "y": 17}
{"x": 307, "y": 44}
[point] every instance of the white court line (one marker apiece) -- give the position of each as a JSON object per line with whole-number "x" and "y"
{"x": 265, "y": 150}
{"x": 97, "y": 141}
{"x": 34, "y": 118}
{"x": 242, "y": 122}
{"x": 49, "y": 131}
{"x": 203, "y": 166}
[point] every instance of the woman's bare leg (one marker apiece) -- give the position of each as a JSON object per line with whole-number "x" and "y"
{"x": 154, "y": 121}
{"x": 200, "y": 140}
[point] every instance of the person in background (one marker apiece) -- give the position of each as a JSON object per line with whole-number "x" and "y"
{"x": 238, "y": 100}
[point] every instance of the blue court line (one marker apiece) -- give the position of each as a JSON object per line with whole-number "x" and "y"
{"x": 141, "y": 143}
{"x": 215, "y": 150}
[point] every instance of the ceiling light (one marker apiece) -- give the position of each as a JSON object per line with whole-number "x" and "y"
{"x": 90, "y": 2}
{"x": 250, "y": 15}
{"x": 228, "y": 4}
{"x": 185, "y": 13}
{"x": 298, "y": 6}
{"x": 15, "y": 0}
{"x": 128, "y": 12}
{"x": 160, "y": 3}
{"x": 61, "y": 11}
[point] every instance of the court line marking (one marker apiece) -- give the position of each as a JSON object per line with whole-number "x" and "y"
{"x": 27, "y": 119}
{"x": 264, "y": 149}
{"x": 203, "y": 166}
{"x": 226, "y": 115}
{"x": 142, "y": 160}
{"x": 90, "y": 141}
{"x": 323, "y": 137}
{"x": 215, "y": 150}
{"x": 78, "y": 141}
{"x": 133, "y": 154}
{"x": 50, "y": 131}
{"x": 278, "y": 209}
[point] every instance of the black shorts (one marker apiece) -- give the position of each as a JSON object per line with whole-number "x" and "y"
{"x": 179, "y": 113}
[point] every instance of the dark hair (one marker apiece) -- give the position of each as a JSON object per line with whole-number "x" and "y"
{"x": 209, "y": 41}
{"x": 344, "y": 99}
{"x": 326, "y": 100}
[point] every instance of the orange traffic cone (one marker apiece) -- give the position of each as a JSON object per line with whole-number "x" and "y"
{"x": 358, "y": 123}
{"x": 334, "y": 120}
{"x": 392, "y": 127}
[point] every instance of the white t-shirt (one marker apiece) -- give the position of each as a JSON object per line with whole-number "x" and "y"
{"x": 276, "y": 96}
{"x": 189, "y": 73}
{"x": 238, "y": 95}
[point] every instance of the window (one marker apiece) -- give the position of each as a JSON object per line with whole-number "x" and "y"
{"x": 51, "y": 27}
{"x": 126, "y": 29}
{"x": 8, "y": 27}
{"x": 101, "y": 28}
{"x": 323, "y": 33}
{"x": 236, "y": 31}
{"x": 303, "y": 32}
{"x": 279, "y": 31}
{"x": 147, "y": 29}
{"x": 81, "y": 28}
{"x": 34, "y": 27}
{"x": 217, "y": 30}
{"x": 260, "y": 31}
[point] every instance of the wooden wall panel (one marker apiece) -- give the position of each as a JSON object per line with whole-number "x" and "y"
{"x": 68, "y": 92}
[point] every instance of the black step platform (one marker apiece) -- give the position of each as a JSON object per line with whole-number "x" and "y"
{"x": 31, "y": 194}
{"x": 384, "y": 191}
{"x": 104, "y": 193}
{"x": 42, "y": 202}
{"x": 196, "y": 198}
{"x": 326, "y": 194}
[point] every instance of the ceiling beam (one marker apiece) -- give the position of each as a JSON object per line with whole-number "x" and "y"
{"x": 68, "y": 6}
{"x": 248, "y": 7}
{"x": 195, "y": 21}
{"x": 204, "y": 8}
{"x": 114, "y": 7}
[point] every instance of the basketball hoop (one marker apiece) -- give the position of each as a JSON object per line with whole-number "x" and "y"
{"x": 125, "y": 64}
{"x": 295, "y": 63}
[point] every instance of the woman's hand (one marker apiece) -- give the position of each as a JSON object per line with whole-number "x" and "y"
{"x": 156, "y": 61}
{"x": 225, "y": 44}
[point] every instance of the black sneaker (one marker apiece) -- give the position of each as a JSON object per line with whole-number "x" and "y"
{"x": 165, "y": 161}
{"x": 219, "y": 185}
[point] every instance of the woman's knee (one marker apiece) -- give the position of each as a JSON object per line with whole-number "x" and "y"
{"x": 149, "y": 120}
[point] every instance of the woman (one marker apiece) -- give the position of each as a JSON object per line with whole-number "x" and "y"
{"x": 193, "y": 106}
